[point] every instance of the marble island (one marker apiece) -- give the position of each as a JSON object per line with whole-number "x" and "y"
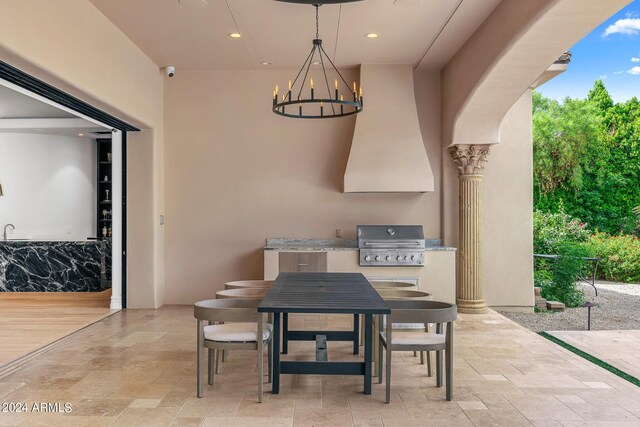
{"x": 55, "y": 266}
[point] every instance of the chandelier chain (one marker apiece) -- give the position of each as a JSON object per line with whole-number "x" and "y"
{"x": 317, "y": 23}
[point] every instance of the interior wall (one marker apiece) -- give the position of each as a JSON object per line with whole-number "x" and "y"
{"x": 49, "y": 185}
{"x": 236, "y": 174}
{"x": 141, "y": 292}
{"x": 508, "y": 212}
{"x": 71, "y": 45}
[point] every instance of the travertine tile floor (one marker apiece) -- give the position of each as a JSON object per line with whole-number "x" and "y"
{"x": 137, "y": 368}
{"x": 618, "y": 348}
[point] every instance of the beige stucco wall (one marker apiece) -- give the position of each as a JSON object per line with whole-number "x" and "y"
{"x": 71, "y": 45}
{"x": 236, "y": 174}
{"x": 508, "y": 207}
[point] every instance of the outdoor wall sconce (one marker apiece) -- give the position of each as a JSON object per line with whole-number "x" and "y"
{"x": 1, "y": 194}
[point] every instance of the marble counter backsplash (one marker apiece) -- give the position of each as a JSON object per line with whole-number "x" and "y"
{"x": 34, "y": 266}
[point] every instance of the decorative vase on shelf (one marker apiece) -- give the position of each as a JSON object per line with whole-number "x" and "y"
{"x": 107, "y": 199}
{"x": 108, "y": 157}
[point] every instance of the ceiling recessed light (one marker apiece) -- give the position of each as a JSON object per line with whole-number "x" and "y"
{"x": 316, "y": 62}
{"x": 81, "y": 134}
{"x": 235, "y": 35}
{"x": 266, "y": 63}
{"x": 371, "y": 36}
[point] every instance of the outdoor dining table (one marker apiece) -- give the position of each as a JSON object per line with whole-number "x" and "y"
{"x": 323, "y": 293}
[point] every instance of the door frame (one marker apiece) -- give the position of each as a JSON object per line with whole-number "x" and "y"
{"x": 26, "y": 84}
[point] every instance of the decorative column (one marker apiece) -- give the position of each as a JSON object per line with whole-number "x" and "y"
{"x": 469, "y": 159}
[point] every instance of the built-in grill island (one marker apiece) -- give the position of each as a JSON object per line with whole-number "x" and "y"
{"x": 391, "y": 245}
{"x": 428, "y": 263}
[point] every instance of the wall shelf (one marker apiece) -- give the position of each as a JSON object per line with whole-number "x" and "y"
{"x": 103, "y": 186}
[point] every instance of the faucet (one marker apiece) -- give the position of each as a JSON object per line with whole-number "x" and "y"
{"x": 4, "y": 234}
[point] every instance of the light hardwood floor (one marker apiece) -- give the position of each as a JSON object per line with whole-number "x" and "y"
{"x": 26, "y": 328}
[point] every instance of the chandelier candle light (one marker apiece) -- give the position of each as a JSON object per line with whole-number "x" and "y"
{"x": 347, "y": 107}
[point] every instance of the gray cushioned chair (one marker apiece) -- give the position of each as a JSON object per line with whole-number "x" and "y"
{"x": 249, "y": 332}
{"x": 440, "y": 313}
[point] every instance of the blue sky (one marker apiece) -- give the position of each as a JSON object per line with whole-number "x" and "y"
{"x": 611, "y": 52}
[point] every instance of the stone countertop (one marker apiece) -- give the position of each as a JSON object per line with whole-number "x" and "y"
{"x": 284, "y": 244}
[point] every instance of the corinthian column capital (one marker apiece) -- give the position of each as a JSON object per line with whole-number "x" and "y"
{"x": 469, "y": 159}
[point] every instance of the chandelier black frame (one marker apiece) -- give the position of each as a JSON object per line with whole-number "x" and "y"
{"x": 335, "y": 106}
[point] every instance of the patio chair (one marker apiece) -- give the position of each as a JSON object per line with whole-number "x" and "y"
{"x": 419, "y": 312}
{"x": 246, "y": 292}
{"x": 242, "y": 293}
{"x": 390, "y": 294}
{"x": 250, "y": 333}
{"x": 244, "y": 284}
{"x": 384, "y": 284}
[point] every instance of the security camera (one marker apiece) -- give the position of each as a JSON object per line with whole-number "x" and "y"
{"x": 170, "y": 70}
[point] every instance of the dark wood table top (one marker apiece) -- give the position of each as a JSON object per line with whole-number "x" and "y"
{"x": 345, "y": 293}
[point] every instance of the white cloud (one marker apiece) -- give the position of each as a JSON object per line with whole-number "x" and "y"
{"x": 618, "y": 72}
{"x": 603, "y": 77}
{"x": 635, "y": 71}
{"x": 635, "y": 59}
{"x": 629, "y": 26}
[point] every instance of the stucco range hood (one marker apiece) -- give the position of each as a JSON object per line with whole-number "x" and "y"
{"x": 387, "y": 152}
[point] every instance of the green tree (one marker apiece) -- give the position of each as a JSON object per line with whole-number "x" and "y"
{"x": 562, "y": 136}
{"x": 587, "y": 157}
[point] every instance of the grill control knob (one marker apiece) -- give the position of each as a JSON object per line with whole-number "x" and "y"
{"x": 413, "y": 257}
{"x": 377, "y": 257}
{"x": 367, "y": 258}
{"x": 399, "y": 258}
{"x": 388, "y": 258}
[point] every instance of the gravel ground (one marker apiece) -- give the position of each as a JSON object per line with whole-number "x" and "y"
{"x": 618, "y": 307}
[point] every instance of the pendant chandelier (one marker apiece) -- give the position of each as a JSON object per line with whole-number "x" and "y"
{"x": 319, "y": 104}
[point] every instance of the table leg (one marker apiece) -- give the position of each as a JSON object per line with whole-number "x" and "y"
{"x": 275, "y": 385}
{"x": 367, "y": 353}
{"x": 356, "y": 334}
{"x": 285, "y": 330}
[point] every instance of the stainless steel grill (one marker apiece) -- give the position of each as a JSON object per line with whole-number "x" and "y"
{"x": 391, "y": 245}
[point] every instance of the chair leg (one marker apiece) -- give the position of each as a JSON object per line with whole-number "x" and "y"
{"x": 449, "y": 351}
{"x": 361, "y": 330}
{"x": 422, "y": 357}
{"x": 211, "y": 365}
{"x": 439, "y": 368}
{"x": 270, "y": 359}
{"x": 260, "y": 371}
{"x": 388, "y": 376}
{"x": 200, "y": 359}
{"x": 218, "y": 357}
{"x": 225, "y": 355}
{"x": 429, "y": 373}
{"x": 415, "y": 354}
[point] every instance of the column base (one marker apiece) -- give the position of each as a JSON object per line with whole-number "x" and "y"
{"x": 472, "y": 306}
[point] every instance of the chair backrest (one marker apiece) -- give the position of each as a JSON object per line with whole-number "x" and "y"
{"x": 391, "y": 285}
{"x": 403, "y": 294}
{"x": 227, "y": 310}
{"x": 422, "y": 311}
{"x": 243, "y": 284}
{"x": 242, "y": 293}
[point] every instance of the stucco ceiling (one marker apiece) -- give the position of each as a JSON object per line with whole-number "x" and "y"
{"x": 428, "y": 32}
